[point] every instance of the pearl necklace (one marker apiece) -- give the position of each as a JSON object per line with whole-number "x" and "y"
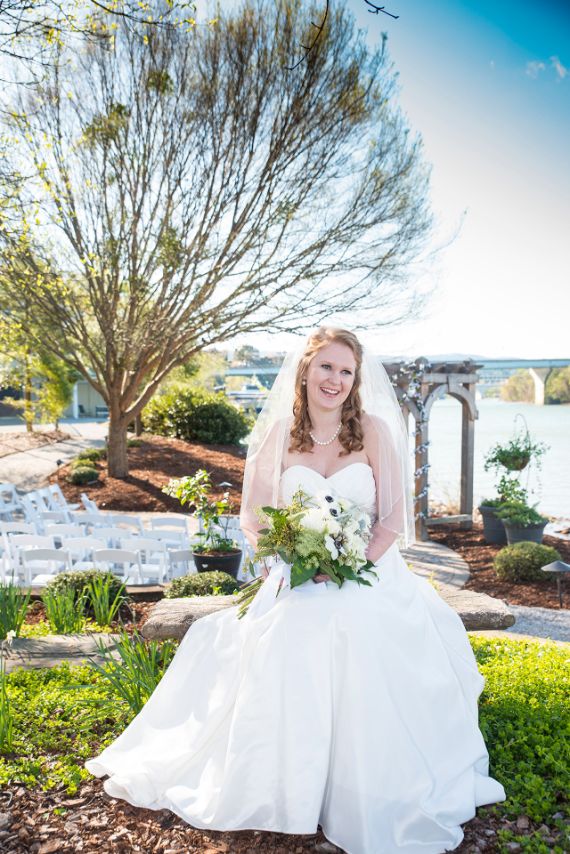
{"x": 329, "y": 441}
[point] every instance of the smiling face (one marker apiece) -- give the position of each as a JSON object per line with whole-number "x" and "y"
{"x": 330, "y": 376}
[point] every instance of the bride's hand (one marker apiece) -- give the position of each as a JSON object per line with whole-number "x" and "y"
{"x": 321, "y": 577}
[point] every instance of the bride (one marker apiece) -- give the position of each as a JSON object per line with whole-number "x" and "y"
{"x": 355, "y": 707}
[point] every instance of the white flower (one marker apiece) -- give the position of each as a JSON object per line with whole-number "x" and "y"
{"x": 331, "y": 547}
{"x": 10, "y": 636}
{"x": 313, "y": 519}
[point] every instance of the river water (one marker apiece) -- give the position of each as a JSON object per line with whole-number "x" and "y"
{"x": 549, "y": 487}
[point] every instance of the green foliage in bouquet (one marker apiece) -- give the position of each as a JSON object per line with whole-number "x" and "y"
{"x": 523, "y": 561}
{"x": 313, "y": 538}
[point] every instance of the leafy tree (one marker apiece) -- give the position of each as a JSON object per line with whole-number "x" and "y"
{"x": 558, "y": 386}
{"x": 182, "y": 187}
{"x": 519, "y": 386}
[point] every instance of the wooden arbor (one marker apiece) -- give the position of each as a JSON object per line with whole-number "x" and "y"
{"x": 418, "y": 385}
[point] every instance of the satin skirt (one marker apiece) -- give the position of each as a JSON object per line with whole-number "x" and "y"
{"x": 352, "y": 708}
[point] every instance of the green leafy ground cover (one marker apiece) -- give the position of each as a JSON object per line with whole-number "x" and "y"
{"x": 66, "y": 714}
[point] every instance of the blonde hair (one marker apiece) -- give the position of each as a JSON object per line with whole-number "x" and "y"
{"x": 351, "y": 432}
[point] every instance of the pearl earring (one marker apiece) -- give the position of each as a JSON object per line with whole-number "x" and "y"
{"x": 303, "y": 382}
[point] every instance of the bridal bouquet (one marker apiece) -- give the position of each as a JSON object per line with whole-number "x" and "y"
{"x": 314, "y": 534}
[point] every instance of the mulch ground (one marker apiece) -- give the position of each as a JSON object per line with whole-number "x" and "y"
{"x": 151, "y": 465}
{"x": 479, "y": 555}
{"x": 14, "y": 443}
{"x": 94, "y": 823}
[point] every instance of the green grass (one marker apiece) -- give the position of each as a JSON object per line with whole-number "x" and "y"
{"x": 64, "y": 715}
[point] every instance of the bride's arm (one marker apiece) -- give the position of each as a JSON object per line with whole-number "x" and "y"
{"x": 390, "y": 503}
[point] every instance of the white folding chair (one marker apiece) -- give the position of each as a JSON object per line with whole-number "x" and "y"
{"x": 57, "y": 499}
{"x": 123, "y": 562}
{"x": 42, "y": 564}
{"x": 111, "y": 536}
{"x": 26, "y": 541}
{"x": 124, "y": 520}
{"x": 172, "y": 539}
{"x": 154, "y": 560}
{"x": 9, "y": 500}
{"x": 89, "y": 504}
{"x": 58, "y": 532}
{"x": 7, "y": 568}
{"x": 92, "y": 520}
{"x": 31, "y": 509}
{"x": 159, "y": 522}
{"x": 181, "y": 562}
{"x": 39, "y": 497}
{"x": 81, "y": 550}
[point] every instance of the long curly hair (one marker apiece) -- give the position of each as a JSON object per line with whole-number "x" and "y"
{"x": 351, "y": 433}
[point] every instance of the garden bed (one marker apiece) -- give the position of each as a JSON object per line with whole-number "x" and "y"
{"x": 50, "y": 804}
{"x": 479, "y": 555}
{"x": 151, "y": 465}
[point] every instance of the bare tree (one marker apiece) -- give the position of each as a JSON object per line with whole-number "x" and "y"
{"x": 187, "y": 187}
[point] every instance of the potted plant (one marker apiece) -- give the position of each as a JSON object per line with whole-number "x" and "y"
{"x": 516, "y": 454}
{"x": 216, "y": 550}
{"x": 508, "y": 460}
{"x": 509, "y": 489}
{"x": 522, "y": 523}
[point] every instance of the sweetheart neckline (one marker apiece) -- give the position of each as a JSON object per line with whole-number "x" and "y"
{"x": 324, "y": 477}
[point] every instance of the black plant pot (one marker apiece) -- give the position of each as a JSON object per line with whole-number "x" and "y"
{"x": 229, "y": 562}
{"x": 493, "y": 528}
{"x": 518, "y": 534}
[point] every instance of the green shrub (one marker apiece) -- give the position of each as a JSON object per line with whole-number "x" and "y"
{"x": 134, "y": 443}
{"x": 523, "y": 716}
{"x": 79, "y": 582}
{"x": 522, "y": 562}
{"x": 92, "y": 454}
{"x": 203, "y": 584}
{"x": 104, "y": 603}
{"x": 196, "y": 416}
{"x": 83, "y": 474}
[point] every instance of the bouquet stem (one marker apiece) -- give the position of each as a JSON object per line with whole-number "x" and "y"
{"x": 247, "y": 594}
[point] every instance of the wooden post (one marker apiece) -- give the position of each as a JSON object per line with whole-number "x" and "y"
{"x": 467, "y": 459}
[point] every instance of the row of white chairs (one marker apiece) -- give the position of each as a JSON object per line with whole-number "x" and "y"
{"x": 77, "y": 539}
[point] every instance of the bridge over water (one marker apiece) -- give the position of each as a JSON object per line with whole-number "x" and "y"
{"x": 491, "y": 371}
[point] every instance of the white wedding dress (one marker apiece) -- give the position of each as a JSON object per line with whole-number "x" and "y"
{"x": 352, "y": 708}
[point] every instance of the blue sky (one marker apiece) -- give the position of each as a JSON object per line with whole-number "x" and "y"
{"x": 487, "y": 85}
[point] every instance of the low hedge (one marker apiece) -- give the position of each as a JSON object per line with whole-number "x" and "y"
{"x": 79, "y": 582}
{"x": 523, "y": 562}
{"x": 83, "y": 474}
{"x": 196, "y": 416}
{"x": 202, "y": 584}
{"x": 92, "y": 454}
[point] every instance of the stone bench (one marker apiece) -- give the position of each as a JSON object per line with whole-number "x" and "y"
{"x": 171, "y": 618}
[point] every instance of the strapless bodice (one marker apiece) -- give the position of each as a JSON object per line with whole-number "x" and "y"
{"x": 354, "y": 482}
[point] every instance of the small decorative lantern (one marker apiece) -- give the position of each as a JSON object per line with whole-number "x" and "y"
{"x": 559, "y": 567}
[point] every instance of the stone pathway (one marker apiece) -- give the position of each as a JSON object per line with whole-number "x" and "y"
{"x": 29, "y": 653}
{"x": 29, "y": 470}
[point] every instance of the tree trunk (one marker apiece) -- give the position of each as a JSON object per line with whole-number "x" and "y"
{"x": 28, "y": 402}
{"x": 138, "y": 425}
{"x": 117, "y": 463}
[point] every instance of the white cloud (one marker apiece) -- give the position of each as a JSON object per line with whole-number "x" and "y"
{"x": 534, "y": 68}
{"x": 561, "y": 70}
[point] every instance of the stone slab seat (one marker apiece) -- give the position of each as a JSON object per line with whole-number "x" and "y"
{"x": 171, "y": 618}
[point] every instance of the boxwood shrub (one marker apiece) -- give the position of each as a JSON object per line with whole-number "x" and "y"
{"x": 196, "y": 416}
{"x": 79, "y": 581}
{"x": 83, "y": 474}
{"x": 202, "y": 584}
{"x": 523, "y": 562}
{"x": 92, "y": 454}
